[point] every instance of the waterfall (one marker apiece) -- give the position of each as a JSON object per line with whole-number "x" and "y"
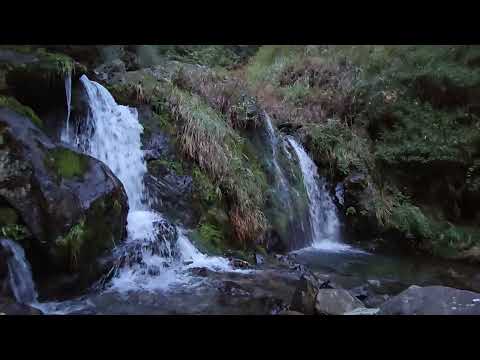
{"x": 324, "y": 222}
{"x": 155, "y": 251}
{"x": 68, "y": 94}
{"x": 286, "y": 210}
{"x": 113, "y": 136}
{"x": 273, "y": 142}
{"x": 19, "y": 273}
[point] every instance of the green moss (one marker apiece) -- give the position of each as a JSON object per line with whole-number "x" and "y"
{"x": 91, "y": 236}
{"x": 14, "y": 231}
{"x": 58, "y": 64}
{"x": 117, "y": 207}
{"x": 67, "y": 163}
{"x": 172, "y": 165}
{"x": 210, "y": 236}
{"x": 13, "y": 104}
{"x": 351, "y": 211}
{"x": 8, "y": 216}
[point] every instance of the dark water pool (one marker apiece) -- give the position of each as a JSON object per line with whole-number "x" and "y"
{"x": 351, "y": 267}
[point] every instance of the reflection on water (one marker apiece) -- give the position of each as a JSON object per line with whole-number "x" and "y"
{"x": 404, "y": 270}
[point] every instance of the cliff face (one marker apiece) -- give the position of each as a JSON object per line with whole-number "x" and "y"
{"x": 395, "y": 127}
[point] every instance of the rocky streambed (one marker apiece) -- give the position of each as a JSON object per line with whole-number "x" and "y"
{"x": 309, "y": 282}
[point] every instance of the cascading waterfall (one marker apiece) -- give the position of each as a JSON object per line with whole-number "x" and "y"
{"x": 20, "y": 274}
{"x": 273, "y": 140}
{"x": 68, "y": 94}
{"x": 112, "y": 133}
{"x": 286, "y": 212}
{"x": 324, "y": 222}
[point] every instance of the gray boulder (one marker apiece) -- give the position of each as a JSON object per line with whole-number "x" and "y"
{"x": 432, "y": 300}
{"x": 335, "y": 302}
{"x": 73, "y": 205}
{"x": 303, "y": 299}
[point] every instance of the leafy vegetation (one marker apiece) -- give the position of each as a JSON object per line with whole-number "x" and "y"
{"x": 72, "y": 242}
{"x": 400, "y": 115}
{"x": 14, "y": 231}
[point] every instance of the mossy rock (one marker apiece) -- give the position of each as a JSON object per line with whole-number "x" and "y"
{"x": 13, "y": 104}
{"x": 67, "y": 163}
{"x": 93, "y": 235}
{"x": 8, "y": 216}
{"x": 72, "y": 204}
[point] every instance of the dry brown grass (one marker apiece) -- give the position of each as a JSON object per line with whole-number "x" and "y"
{"x": 207, "y": 139}
{"x": 247, "y": 224}
{"x": 226, "y": 94}
{"x": 201, "y": 133}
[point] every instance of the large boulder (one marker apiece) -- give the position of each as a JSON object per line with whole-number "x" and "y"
{"x": 432, "y": 300}
{"x": 303, "y": 299}
{"x": 73, "y": 205}
{"x": 335, "y": 302}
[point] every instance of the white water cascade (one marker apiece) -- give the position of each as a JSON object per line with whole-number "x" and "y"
{"x": 112, "y": 134}
{"x": 20, "y": 274}
{"x": 325, "y": 225}
{"x": 65, "y": 136}
{"x": 273, "y": 140}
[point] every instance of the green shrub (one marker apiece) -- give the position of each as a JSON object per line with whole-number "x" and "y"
{"x": 14, "y": 231}
{"x": 72, "y": 242}
{"x": 337, "y": 146}
{"x": 422, "y": 134}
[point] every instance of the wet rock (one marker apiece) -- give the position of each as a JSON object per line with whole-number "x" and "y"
{"x": 303, "y": 299}
{"x": 357, "y": 193}
{"x": 337, "y": 281}
{"x": 9, "y": 307}
{"x": 290, "y": 312}
{"x": 170, "y": 188}
{"x": 335, "y": 302}
{"x": 361, "y": 292}
{"x": 172, "y": 195}
{"x": 432, "y": 300}
{"x": 202, "y": 272}
{"x": 105, "y": 71}
{"x": 157, "y": 146}
{"x": 74, "y": 206}
{"x": 363, "y": 311}
{"x": 289, "y": 128}
{"x": 272, "y": 242}
{"x": 238, "y": 263}
{"x": 375, "y": 301}
{"x": 163, "y": 244}
{"x": 259, "y": 259}
{"x": 231, "y": 288}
